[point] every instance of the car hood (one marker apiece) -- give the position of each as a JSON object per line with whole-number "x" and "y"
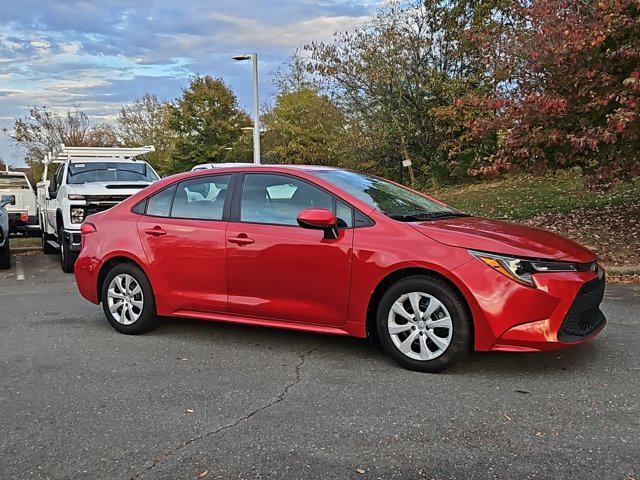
{"x": 503, "y": 237}
{"x": 109, "y": 188}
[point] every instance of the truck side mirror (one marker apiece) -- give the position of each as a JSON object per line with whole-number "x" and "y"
{"x": 53, "y": 188}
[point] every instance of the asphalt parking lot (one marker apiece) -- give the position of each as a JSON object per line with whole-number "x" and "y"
{"x": 79, "y": 400}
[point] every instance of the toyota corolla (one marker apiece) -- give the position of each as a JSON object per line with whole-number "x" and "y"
{"x": 327, "y": 250}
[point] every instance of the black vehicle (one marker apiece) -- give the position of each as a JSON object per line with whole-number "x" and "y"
{"x": 5, "y": 253}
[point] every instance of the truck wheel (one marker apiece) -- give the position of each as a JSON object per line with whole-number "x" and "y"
{"x": 67, "y": 257}
{"x": 47, "y": 248}
{"x": 5, "y": 256}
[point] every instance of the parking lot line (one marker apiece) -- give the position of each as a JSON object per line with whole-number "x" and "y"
{"x": 19, "y": 269}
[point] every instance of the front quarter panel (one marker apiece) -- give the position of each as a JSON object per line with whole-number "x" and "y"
{"x": 386, "y": 248}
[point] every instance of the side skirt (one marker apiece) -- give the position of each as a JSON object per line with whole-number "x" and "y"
{"x": 259, "y": 322}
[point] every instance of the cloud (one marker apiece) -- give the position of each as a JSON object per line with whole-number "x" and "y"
{"x": 103, "y": 53}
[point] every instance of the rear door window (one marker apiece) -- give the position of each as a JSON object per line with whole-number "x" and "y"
{"x": 201, "y": 198}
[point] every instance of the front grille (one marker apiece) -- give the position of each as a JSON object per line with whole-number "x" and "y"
{"x": 105, "y": 198}
{"x": 97, "y": 204}
{"x": 584, "y": 317}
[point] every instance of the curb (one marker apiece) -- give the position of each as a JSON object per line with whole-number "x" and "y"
{"x": 627, "y": 270}
{"x": 25, "y": 249}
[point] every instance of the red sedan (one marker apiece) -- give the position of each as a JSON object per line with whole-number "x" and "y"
{"x": 333, "y": 251}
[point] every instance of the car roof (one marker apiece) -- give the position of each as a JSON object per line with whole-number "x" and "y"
{"x": 279, "y": 166}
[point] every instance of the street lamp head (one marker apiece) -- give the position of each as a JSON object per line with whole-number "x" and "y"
{"x": 240, "y": 58}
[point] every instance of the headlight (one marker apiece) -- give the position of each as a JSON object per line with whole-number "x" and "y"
{"x": 75, "y": 197}
{"x": 521, "y": 269}
{"x": 77, "y": 215}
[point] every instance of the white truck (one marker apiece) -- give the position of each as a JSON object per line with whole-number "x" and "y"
{"x": 23, "y": 215}
{"x": 88, "y": 180}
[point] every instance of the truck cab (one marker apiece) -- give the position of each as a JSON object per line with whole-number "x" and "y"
{"x": 23, "y": 215}
{"x": 86, "y": 181}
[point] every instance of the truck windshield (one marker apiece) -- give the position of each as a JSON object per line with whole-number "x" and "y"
{"x": 109, "y": 172}
{"x": 13, "y": 182}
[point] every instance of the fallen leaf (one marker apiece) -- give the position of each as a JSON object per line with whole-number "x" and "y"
{"x": 360, "y": 471}
{"x": 507, "y": 417}
{"x": 203, "y": 474}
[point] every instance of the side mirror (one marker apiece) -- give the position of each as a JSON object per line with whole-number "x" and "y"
{"x": 53, "y": 188}
{"x": 7, "y": 200}
{"x": 319, "y": 219}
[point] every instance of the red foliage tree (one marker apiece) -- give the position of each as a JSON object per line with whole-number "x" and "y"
{"x": 567, "y": 91}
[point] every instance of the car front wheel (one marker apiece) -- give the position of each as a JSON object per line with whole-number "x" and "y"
{"x": 127, "y": 300}
{"x": 423, "y": 324}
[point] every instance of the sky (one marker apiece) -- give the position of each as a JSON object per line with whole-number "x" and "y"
{"x": 101, "y": 54}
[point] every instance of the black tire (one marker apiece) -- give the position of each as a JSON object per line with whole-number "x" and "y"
{"x": 461, "y": 336}
{"x": 5, "y": 256}
{"x": 67, "y": 256}
{"x": 148, "y": 317}
{"x": 47, "y": 248}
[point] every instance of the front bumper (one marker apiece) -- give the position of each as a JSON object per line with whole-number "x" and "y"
{"x": 72, "y": 239}
{"x": 561, "y": 311}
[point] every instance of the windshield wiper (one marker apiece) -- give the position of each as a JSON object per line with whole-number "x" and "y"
{"x": 416, "y": 217}
{"x": 438, "y": 215}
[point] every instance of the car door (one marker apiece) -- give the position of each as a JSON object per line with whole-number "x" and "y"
{"x": 275, "y": 268}
{"x": 183, "y": 235}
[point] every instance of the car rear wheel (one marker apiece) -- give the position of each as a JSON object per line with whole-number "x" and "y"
{"x": 5, "y": 256}
{"x": 423, "y": 324}
{"x": 127, "y": 300}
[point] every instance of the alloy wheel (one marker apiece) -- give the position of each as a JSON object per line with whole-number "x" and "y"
{"x": 420, "y": 326}
{"x": 125, "y": 299}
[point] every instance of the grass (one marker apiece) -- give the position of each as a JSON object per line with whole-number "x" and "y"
{"x": 25, "y": 242}
{"x": 523, "y": 196}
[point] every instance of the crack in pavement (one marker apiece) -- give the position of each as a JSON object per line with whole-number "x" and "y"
{"x": 167, "y": 453}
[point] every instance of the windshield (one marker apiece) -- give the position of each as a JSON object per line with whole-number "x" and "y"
{"x": 391, "y": 199}
{"x": 13, "y": 182}
{"x": 110, "y": 172}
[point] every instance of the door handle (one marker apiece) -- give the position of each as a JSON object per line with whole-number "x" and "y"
{"x": 241, "y": 240}
{"x": 155, "y": 231}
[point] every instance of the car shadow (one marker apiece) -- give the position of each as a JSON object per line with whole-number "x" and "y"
{"x": 344, "y": 348}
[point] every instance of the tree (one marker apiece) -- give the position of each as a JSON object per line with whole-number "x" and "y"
{"x": 571, "y": 89}
{"x": 44, "y": 129}
{"x": 304, "y": 127}
{"x": 207, "y": 122}
{"x": 147, "y": 122}
{"x": 394, "y": 76}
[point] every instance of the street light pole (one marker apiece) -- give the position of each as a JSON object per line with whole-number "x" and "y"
{"x": 256, "y": 104}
